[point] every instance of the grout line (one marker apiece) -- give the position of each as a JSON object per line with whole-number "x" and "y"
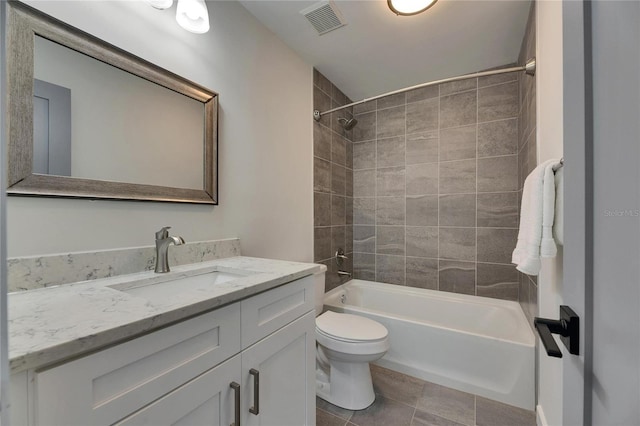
{"x": 438, "y": 243}
{"x": 475, "y": 284}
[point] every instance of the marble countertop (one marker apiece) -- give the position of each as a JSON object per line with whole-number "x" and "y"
{"x": 51, "y": 324}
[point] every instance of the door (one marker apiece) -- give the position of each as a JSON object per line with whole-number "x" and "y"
{"x": 600, "y": 274}
{"x": 208, "y": 400}
{"x": 283, "y": 363}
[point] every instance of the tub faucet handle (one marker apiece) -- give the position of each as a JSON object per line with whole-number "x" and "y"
{"x": 340, "y": 254}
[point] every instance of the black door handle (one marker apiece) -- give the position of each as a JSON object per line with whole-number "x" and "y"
{"x": 568, "y": 327}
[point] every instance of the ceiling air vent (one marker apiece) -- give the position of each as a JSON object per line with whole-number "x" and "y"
{"x": 324, "y": 17}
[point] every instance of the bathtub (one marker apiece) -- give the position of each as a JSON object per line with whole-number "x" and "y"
{"x": 473, "y": 344}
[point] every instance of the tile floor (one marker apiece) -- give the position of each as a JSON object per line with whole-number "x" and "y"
{"x": 406, "y": 401}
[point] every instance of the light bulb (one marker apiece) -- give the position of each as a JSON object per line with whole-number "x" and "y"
{"x": 193, "y": 16}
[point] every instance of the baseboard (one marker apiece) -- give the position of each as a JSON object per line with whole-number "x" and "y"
{"x": 541, "y": 420}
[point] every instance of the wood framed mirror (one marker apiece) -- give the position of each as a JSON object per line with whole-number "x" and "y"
{"x": 138, "y": 131}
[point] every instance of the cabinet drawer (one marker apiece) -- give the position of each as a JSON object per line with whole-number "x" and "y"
{"x": 109, "y": 385}
{"x": 267, "y": 312}
{"x": 207, "y": 400}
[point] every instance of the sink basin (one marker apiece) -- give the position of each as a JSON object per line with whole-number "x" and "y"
{"x": 161, "y": 288}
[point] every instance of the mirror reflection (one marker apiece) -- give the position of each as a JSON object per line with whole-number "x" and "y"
{"x": 95, "y": 121}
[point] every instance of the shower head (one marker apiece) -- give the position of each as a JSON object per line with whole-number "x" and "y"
{"x": 347, "y": 124}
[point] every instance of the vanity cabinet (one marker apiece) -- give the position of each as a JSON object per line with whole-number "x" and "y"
{"x": 183, "y": 374}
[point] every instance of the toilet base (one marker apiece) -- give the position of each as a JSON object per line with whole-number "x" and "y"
{"x": 348, "y": 386}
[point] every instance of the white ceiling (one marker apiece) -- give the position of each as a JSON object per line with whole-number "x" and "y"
{"x": 378, "y": 51}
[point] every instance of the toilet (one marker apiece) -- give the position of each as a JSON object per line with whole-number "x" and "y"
{"x": 346, "y": 344}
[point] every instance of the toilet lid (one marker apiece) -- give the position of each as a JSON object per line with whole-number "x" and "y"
{"x": 350, "y": 327}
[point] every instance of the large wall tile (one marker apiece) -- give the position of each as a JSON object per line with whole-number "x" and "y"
{"x": 364, "y": 211}
{"x": 422, "y": 116}
{"x": 364, "y": 183}
{"x": 498, "y": 138}
{"x": 458, "y": 110}
{"x": 390, "y": 240}
{"x": 391, "y": 101}
{"x": 421, "y": 273}
{"x": 422, "y": 93}
{"x": 364, "y": 155}
{"x": 422, "y": 241}
{"x": 497, "y": 281}
{"x": 498, "y": 174}
{"x": 499, "y": 210}
{"x": 338, "y": 236}
{"x": 457, "y": 277}
{"x": 338, "y": 179}
{"x": 364, "y": 266}
{"x": 321, "y": 209}
{"x": 339, "y": 149}
{"x": 321, "y": 141}
{"x": 458, "y": 210}
{"x": 391, "y": 122}
{"x": 321, "y": 175}
{"x": 492, "y": 80}
{"x": 457, "y": 177}
{"x": 390, "y": 210}
{"x": 390, "y": 269}
{"x": 390, "y": 181}
{"x": 458, "y": 143}
{"x": 321, "y": 243}
{"x": 495, "y": 245}
{"x": 422, "y": 148}
{"x": 498, "y": 102}
{"x": 458, "y": 86}
{"x": 422, "y": 210}
{"x": 365, "y": 130}
{"x": 322, "y": 102}
{"x": 390, "y": 151}
{"x": 422, "y": 179}
{"x": 365, "y": 107}
{"x": 457, "y": 243}
{"x": 338, "y": 212}
{"x": 364, "y": 239}
{"x": 322, "y": 82}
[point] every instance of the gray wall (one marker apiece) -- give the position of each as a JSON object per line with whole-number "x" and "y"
{"x": 436, "y": 187}
{"x": 332, "y": 181}
{"x": 527, "y": 151}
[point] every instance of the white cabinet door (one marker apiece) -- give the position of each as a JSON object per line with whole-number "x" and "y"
{"x": 285, "y": 362}
{"x": 107, "y": 386}
{"x": 207, "y": 400}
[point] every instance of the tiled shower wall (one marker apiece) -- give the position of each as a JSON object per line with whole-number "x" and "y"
{"x": 527, "y": 156}
{"x": 332, "y": 181}
{"x": 436, "y": 187}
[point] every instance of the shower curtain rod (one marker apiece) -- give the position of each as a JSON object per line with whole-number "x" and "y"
{"x": 529, "y": 68}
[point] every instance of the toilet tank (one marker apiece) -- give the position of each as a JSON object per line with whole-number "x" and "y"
{"x": 319, "y": 289}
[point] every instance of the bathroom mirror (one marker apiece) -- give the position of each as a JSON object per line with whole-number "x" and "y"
{"x": 87, "y": 119}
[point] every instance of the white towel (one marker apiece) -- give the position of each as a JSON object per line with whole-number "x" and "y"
{"x": 558, "y": 220}
{"x": 535, "y": 237}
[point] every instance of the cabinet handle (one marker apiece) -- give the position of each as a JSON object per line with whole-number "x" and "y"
{"x": 256, "y": 392}
{"x": 236, "y": 389}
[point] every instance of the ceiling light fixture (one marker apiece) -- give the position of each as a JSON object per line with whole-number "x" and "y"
{"x": 192, "y": 15}
{"x": 161, "y": 4}
{"x": 409, "y": 7}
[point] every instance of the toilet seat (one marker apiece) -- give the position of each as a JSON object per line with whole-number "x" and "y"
{"x": 351, "y": 334}
{"x": 350, "y": 328}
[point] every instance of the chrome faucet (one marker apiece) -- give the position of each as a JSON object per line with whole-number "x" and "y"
{"x": 163, "y": 241}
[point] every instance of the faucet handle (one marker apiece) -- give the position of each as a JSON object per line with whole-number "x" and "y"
{"x": 163, "y": 233}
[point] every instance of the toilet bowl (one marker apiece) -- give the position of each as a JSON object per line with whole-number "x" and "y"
{"x": 345, "y": 345}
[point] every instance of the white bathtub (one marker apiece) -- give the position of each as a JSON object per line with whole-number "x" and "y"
{"x": 473, "y": 344}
